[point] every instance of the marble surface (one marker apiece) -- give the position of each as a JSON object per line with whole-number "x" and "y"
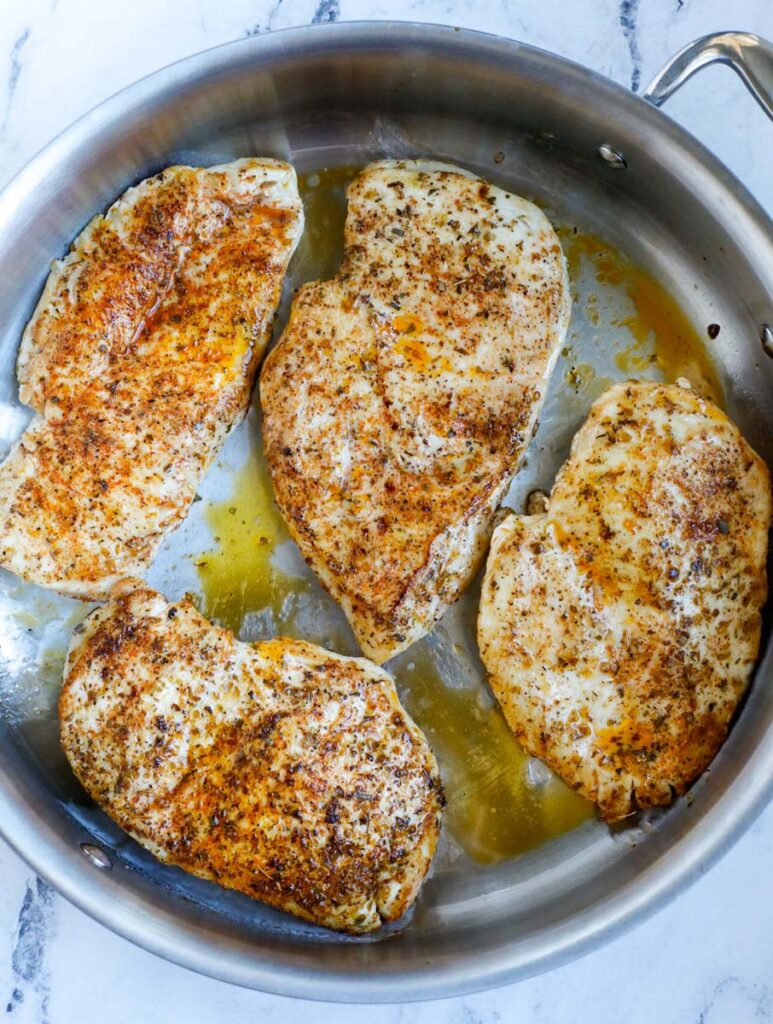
{"x": 708, "y": 957}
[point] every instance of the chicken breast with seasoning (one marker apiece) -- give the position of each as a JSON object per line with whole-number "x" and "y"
{"x": 404, "y": 392}
{"x": 278, "y": 769}
{"x": 621, "y": 627}
{"x": 138, "y": 360}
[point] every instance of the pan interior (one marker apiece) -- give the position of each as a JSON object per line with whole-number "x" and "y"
{"x": 471, "y": 901}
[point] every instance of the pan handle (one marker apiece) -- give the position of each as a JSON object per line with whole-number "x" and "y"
{"x": 749, "y": 55}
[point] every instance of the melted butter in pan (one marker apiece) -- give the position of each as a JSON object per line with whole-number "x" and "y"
{"x": 501, "y": 802}
{"x": 252, "y": 577}
{"x": 236, "y": 575}
{"x": 645, "y": 330}
{"x": 324, "y": 202}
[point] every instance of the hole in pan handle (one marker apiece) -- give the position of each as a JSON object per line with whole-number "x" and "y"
{"x": 747, "y": 54}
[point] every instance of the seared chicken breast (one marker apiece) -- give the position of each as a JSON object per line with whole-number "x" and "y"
{"x": 620, "y": 628}
{"x": 278, "y": 769}
{"x": 138, "y": 360}
{"x": 403, "y": 392}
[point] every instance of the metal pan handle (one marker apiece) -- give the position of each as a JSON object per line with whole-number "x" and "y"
{"x": 748, "y": 55}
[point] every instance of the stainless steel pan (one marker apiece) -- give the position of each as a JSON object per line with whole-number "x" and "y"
{"x": 596, "y": 155}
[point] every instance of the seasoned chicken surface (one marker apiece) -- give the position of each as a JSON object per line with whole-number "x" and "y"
{"x": 404, "y": 391}
{"x": 138, "y": 360}
{"x": 278, "y": 769}
{"x": 621, "y": 627}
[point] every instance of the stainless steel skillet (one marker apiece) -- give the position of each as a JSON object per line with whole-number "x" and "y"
{"x": 595, "y": 155}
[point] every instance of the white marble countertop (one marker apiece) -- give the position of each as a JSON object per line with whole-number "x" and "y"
{"x": 708, "y": 957}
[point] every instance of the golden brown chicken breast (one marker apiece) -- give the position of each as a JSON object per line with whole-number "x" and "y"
{"x": 403, "y": 392}
{"x": 138, "y": 360}
{"x": 278, "y": 769}
{"x": 621, "y": 627}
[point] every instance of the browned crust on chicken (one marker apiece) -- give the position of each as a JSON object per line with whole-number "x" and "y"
{"x": 620, "y": 629}
{"x": 278, "y": 769}
{"x": 404, "y": 391}
{"x": 138, "y": 360}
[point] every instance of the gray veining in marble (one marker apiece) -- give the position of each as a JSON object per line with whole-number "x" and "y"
{"x": 327, "y": 11}
{"x": 13, "y": 75}
{"x": 35, "y": 927}
{"x": 629, "y": 23}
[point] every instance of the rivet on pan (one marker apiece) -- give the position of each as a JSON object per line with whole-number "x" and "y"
{"x": 766, "y": 337}
{"x": 96, "y": 855}
{"x": 613, "y": 157}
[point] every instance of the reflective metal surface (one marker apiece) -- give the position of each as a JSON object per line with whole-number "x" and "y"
{"x": 766, "y": 337}
{"x": 347, "y": 94}
{"x": 748, "y": 55}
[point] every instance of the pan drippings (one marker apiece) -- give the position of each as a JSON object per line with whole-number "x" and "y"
{"x": 501, "y": 802}
{"x": 634, "y": 318}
